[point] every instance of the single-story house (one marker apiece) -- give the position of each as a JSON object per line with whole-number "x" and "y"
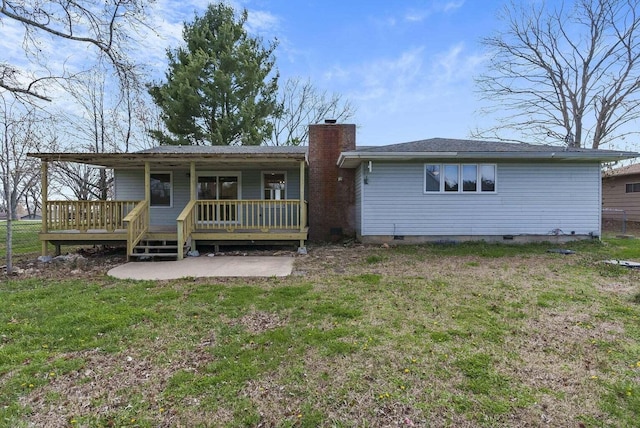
{"x": 169, "y": 198}
{"x": 621, "y": 193}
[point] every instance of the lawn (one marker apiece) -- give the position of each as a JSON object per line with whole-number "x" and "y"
{"x": 437, "y": 335}
{"x": 25, "y": 236}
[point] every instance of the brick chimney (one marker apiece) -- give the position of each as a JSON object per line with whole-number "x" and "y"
{"x": 331, "y": 189}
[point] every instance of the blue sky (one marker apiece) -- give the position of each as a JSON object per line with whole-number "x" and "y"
{"x": 407, "y": 66}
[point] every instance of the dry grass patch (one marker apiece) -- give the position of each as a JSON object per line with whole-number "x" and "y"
{"x": 459, "y": 336}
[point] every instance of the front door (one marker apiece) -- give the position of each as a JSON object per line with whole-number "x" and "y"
{"x": 215, "y": 189}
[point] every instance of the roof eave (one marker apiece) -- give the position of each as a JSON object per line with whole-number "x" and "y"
{"x": 112, "y": 160}
{"x": 353, "y": 159}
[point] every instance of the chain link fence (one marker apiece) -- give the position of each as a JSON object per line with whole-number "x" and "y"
{"x": 24, "y": 239}
{"x": 616, "y": 221}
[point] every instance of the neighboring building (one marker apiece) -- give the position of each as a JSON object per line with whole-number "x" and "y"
{"x": 172, "y": 197}
{"x": 621, "y": 193}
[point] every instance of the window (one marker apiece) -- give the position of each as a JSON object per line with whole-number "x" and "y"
{"x": 465, "y": 178}
{"x": 469, "y": 178}
{"x": 218, "y": 187}
{"x": 211, "y": 189}
{"x": 161, "y": 189}
{"x": 451, "y": 178}
{"x": 487, "y": 178}
{"x": 432, "y": 178}
{"x": 274, "y": 185}
{"x": 633, "y": 187}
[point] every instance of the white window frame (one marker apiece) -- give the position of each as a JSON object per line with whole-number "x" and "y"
{"x": 460, "y": 179}
{"x": 262, "y": 184}
{"x": 170, "y": 189}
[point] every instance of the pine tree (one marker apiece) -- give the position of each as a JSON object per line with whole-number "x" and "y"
{"x": 221, "y": 86}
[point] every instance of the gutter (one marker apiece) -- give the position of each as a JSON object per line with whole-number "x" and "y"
{"x": 353, "y": 158}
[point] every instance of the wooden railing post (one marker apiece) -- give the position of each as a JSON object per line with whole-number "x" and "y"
{"x": 44, "y": 209}
{"x": 137, "y": 224}
{"x": 303, "y": 205}
{"x": 185, "y": 223}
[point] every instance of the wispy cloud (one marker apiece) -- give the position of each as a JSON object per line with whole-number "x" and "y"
{"x": 455, "y": 64}
{"x": 436, "y": 7}
{"x": 261, "y": 21}
{"x": 452, "y": 5}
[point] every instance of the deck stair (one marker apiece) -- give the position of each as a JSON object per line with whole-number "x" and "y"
{"x": 158, "y": 248}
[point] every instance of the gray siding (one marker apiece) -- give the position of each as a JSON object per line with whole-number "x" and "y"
{"x": 358, "y": 190}
{"x": 129, "y": 185}
{"x": 531, "y": 199}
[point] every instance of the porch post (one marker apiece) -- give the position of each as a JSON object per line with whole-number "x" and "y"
{"x": 193, "y": 181}
{"x": 303, "y": 206}
{"x": 194, "y": 195}
{"x": 147, "y": 188}
{"x": 44, "y": 172}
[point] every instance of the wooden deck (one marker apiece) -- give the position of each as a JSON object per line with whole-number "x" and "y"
{"x": 127, "y": 223}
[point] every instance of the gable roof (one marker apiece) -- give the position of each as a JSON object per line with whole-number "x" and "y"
{"x": 456, "y": 149}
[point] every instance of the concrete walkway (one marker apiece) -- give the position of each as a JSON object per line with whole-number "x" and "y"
{"x": 203, "y": 267}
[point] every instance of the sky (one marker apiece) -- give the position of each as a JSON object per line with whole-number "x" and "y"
{"x": 407, "y": 66}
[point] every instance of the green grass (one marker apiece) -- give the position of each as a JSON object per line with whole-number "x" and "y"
{"x": 434, "y": 335}
{"x": 25, "y": 237}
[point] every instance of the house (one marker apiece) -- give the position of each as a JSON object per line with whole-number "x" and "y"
{"x": 621, "y": 193}
{"x": 171, "y": 198}
{"x": 444, "y": 189}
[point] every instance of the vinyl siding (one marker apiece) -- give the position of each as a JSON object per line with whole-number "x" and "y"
{"x": 129, "y": 185}
{"x": 615, "y": 196}
{"x": 358, "y": 191}
{"x": 531, "y": 199}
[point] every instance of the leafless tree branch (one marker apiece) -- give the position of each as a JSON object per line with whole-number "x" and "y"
{"x": 564, "y": 71}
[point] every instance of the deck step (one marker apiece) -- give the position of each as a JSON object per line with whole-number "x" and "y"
{"x": 154, "y": 255}
{"x": 152, "y": 248}
{"x": 156, "y": 247}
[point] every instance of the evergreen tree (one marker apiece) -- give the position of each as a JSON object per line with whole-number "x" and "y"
{"x": 220, "y": 87}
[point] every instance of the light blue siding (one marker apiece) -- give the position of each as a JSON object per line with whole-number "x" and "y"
{"x": 531, "y": 199}
{"x": 358, "y": 190}
{"x": 129, "y": 185}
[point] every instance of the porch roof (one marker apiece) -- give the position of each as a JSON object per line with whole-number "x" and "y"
{"x": 235, "y": 157}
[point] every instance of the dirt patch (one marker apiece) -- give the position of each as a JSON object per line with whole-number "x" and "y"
{"x": 107, "y": 383}
{"x": 256, "y": 322}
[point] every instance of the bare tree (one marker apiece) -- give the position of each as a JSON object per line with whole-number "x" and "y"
{"x": 97, "y": 126}
{"x": 83, "y": 181}
{"x": 570, "y": 73}
{"x": 22, "y": 130}
{"x": 302, "y": 105}
{"x": 107, "y": 25}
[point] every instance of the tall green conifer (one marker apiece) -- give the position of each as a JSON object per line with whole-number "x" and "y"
{"x": 220, "y": 87}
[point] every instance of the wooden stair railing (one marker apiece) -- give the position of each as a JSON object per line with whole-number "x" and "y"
{"x": 137, "y": 224}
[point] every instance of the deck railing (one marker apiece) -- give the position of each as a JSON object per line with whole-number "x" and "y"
{"x": 253, "y": 214}
{"x": 85, "y": 215}
{"x": 186, "y": 223}
{"x": 137, "y": 224}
